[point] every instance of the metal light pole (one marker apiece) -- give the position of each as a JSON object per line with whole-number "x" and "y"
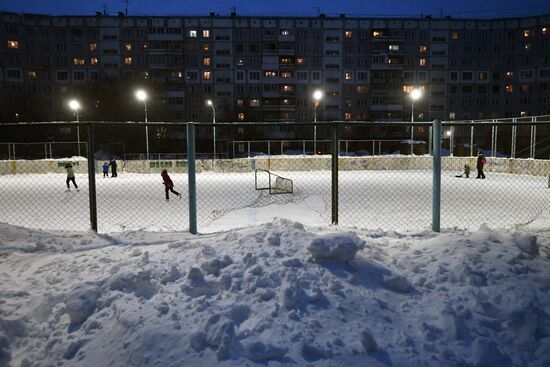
{"x": 75, "y": 106}
{"x": 415, "y": 94}
{"x": 317, "y": 95}
{"x": 211, "y": 104}
{"x": 142, "y": 96}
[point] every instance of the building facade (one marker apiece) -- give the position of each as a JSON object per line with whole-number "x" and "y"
{"x": 266, "y": 68}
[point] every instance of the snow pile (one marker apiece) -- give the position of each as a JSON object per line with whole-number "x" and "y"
{"x": 275, "y": 294}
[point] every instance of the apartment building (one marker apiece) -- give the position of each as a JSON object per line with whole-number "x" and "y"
{"x": 266, "y": 68}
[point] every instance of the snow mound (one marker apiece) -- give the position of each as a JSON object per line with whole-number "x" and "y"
{"x": 275, "y": 295}
{"x": 337, "y": 246}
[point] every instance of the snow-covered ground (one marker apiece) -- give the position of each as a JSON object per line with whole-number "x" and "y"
{"x": 397, "y": 200}
{"x": 276, "y": 294}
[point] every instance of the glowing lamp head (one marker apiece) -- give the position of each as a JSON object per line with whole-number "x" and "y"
{"x": 141, "y": 95}
{"x": 74, "y": 105}
{"x": 448, "y": 133}
{"x": 209, "y": 102}
{"x": 416, "y": 94}
{"x": 317, "y": 95}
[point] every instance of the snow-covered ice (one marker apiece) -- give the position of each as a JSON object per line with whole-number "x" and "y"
{"x": 275, "y": 294}
{"x": 398, "y": 200}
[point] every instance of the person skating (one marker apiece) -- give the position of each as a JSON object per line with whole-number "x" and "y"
{"x": 105, "y": 169}
{"x": 113, "y": 165}
{"x": 168, "y": 184}
{"x": 70, "y": 177}
{"x": 480, "y": 163}
{"x": 466, "y": 171}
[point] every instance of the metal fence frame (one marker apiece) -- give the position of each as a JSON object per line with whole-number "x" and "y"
{"x": 436, "y": 128}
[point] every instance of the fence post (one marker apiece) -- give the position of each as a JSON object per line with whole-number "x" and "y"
{"x": 191, "y": 182}
{"x": 91, "y": 178}
{"x": 514, "y": 134}
{"x": 335, "y": 173}
{"x": 472, "y": 140}
{"x": 436, "y": 189}
{"x": 430, "y": 139}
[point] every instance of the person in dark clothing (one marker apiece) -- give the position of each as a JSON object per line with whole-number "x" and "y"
{"x": 70, "y": 177}
{"x": 480, "y": 163}
{"x": 105, "y": 169}
{"x": 168, "y": 184}
{"x": 112, "y": 163}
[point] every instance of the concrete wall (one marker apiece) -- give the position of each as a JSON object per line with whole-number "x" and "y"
{"x": 280, "y": 164}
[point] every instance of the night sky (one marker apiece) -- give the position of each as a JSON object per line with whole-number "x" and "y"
{"x": 395, "y": 8}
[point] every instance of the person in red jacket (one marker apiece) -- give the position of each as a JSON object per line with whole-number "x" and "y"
{"x": 480, "y": 163}
{"x": 168, "y": 184}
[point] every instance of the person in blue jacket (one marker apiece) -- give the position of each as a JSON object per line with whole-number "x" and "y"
{"x": 105, "y": 169}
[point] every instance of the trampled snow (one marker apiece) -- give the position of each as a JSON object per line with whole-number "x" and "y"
{"x": 275, "y": 294}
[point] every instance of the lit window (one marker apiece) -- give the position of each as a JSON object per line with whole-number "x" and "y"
{"x": 77, "y": 61}
{"x": 524, "y": 113}
{"x": 13, "y": 44}
{"x": 240, "y": 62}
{"x": 300, "y": 61}
{"x": 240, "y": 116}
{"x": 127, "y": 61}
{"x": 93, "y": 61}
{"x": 545, "y": 31}
{"x": 527, "y": 46}
{"x": 407, "y": 88}
{"x": 205, "y": 33}
{"x": 285, "y": 60}
{"x": 206, "y": 47}
{"x": 32, "y": 74}
{"x": 377, "y": 33}
{"x": 422, "y": 62}
{"x": 347, "y": 116}
{"x": 206, "y": 61}
{"x": 452, "y": 115}
{"x": 286, "y": 74}
{"x": 361, "y": 89}
{"x": 128, "y": 46}
{"x": 348, "y": 34}
{"x": 454, "y": 35}
{"x": 482, "y": 75}
{"x": 206, "y": 75}
{"x": 145, "y": 45}
{"x": 193, "y": 33}
{"x": 509, "y": 88}
{"x": 393, "y": 47}
{"x": 270, "y": 74}
{"x": 423, "y": 49}
{"x": 509, "y": 75}
{"x": 254, "y": 102}
{"x": 93, "y": 46}
{"x": 348, "y": 75}
{"x": 287, "y": 88}
{"x": 284, "y": 32}
{"x": 527, "y": 33}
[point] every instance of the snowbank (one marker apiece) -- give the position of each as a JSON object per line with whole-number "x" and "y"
{"x": 275, "y": 294}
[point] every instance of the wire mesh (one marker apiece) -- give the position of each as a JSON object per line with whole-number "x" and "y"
{"x": 380, "y": 184}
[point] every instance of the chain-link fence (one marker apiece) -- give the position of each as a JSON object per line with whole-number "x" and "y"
{"x": 354, "y": 174}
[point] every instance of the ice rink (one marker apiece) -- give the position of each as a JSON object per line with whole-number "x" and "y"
{"x": 387, "y": 200}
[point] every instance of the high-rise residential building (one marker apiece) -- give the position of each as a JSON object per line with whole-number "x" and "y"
{"x": 258, "y": 68}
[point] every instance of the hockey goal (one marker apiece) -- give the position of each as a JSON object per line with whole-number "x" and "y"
{"x": 275, "y": 184}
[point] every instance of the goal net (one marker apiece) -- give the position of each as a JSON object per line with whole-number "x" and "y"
{"x": 274, "y": 184}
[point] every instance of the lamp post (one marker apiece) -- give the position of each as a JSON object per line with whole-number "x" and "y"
{"x": 141, "y": 95}
{"x": 317, "y": 95}
{"x": 415, "y": 94}
{"x": 211, "y": 104}
{"x": 75, "y": 106}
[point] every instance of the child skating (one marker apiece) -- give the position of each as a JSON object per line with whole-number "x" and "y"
{"x": 466, "y": 171}
{"x": 168, "y": 184}
{"x": 70, "y": 177}
{"x": 105, "y": 169}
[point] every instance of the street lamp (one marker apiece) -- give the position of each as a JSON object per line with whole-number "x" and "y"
{"x": 415, "y": 94}
{"x": 75, "y": 106}
{"x": 211, "y": 104}
{"x": 317, "y": 96}
{"x": 141, "y": 95}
